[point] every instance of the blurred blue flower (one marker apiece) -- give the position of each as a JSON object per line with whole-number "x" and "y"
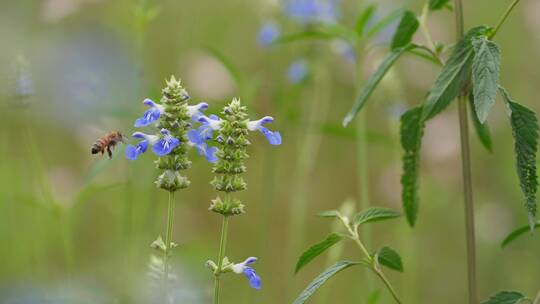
{"x": 344, "y": 49}
{"x": 150, "y": 115}
{"x": 195, "y": 111}
{"x": 297, "y": 71}
{"x": 24, "y": 86}
{"x": 310, "y": 11}
{"x": 166, "y": 144}
{"x": 268, "y": 33}
{"x": 251, "y": 275}
{"x": 273, "y": 137}
{"x": 208, "y": 152}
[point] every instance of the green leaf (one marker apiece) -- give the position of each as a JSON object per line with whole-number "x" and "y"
{"x": 363, "y": 19}
{"x": 438, "y": 4}
{"x": 375, "y": 214}
{"x": 374, "y": 81}
{"x": 482, "y": 129}
{"x": 485, "y": 75}
{"x": 506, "y": 297}
{"x": 316, "y": 250}
{"x": 517, "y": 233}
{"x": 405, "y": 31}
{"x": 322, "y": 278}
{"x": 525, "y": 131}
{"x": 411, "y": 132}
{"x": 330, "y": 213}
{"x": 390, "y": 258}
{"x": 454, "y": 75}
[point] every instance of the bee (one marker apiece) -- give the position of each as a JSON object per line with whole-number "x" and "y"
{"x": 107, "y": 142}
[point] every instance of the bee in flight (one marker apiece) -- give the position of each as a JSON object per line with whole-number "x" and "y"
{"x": 106, "y": 142}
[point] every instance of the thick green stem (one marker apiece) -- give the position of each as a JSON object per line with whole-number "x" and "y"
{"x": 503, "y": 18}
{"x": 222, "y": 248}
{"x": 168, "y": 242}
{"x": 466, "y": 168}
{"x": 469, "y": 207}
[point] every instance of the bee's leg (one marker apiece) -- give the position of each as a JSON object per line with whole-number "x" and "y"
{"x": 109, "y": 151}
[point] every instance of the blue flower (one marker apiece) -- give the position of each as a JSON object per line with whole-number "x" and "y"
{"x": 150, "y": 115}
{"x": 195, "y": 111}
{"x": 208, "y": 152}
{"x": 297, "y": 71}
{"x": 273, "y": 137}
{"x": 166, "y": 144}
{"x": 309, "y": 11}
{"x": 251, "y": 275}
{"x": 268, "y": 33}
{"x": 212, "y": 121}
{"x": 133, "y": 152}
{"x": 24, "y": 85}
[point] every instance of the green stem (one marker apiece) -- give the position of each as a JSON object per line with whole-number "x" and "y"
{"x": 466, "y": 168}
{"x": 222, "y": 248}
{"x": 503, "y": 18}
{"x": 373, "y": 265}
{"x": 168, "y": 242}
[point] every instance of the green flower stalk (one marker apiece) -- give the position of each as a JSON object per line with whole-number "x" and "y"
{"x": 172, "y": 117}
{"x": 232, "y": 131}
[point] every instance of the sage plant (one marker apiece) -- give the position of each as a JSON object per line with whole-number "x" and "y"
{"x": 470, "y": 74}
{"x": 232, "y": 139}
{"x": 169, "y": 122}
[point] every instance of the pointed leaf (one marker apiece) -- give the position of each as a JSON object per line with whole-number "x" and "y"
{"x": 482, "y": 129}
{"x": 454, "y": 75}
{"x": 375, "y": 214}
{"x": 316, "y": 250}
{"x": 438, "y": 4}
{"x": 390, "y": 258}
{"x": 411, "y": 132}
{"x": 517, "y": 233}
{"x": 405, "y": 31}
{"x": 525, "y": 131}
{"x": 374, "y": 81}
{"x": 330, "y": 213}
{"x": 485, "y": 75}
{"x": 384, "y": 22}
{"x": 322, "y": 278}
{"x": 506, "y": 297}
{"x": 363, "y": 19}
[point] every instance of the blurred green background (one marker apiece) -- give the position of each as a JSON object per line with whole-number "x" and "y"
{"x": 76, "y": 228}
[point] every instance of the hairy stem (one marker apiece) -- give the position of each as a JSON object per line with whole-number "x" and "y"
{"x": 503, "y": 18}
{"x": 466, "y": 168}
{"x": 168, "y": 241}
{"x": 222, "y": 248}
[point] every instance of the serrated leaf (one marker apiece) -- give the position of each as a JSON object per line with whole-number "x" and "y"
{"x": 411, "y": 132}
{"x": 454, "y": 75}
{"x": 315, "y": 250}
{"x": 363, "y": 19}
{"x": 482, "y": 129}
{"x": 373, "y": 81}
{"x": 485, "y": 75}
{"x": 405, "y": 30}
{"x": 322, "y": 278}
{"x": 330, "y": 213}
{"x": 438, "y": 4}
{"x": 525, "y": 131}
{"x": 506, "y": 297}
{"x": 517, "y": 233}
{"x": 375, "y": 214}
{"x": 390, "y": 258}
